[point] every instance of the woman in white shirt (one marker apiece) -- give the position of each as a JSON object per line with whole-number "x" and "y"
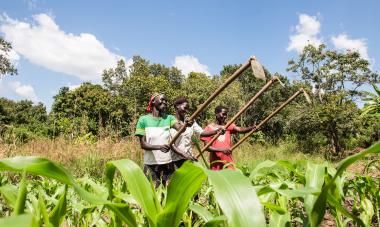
{"x": 182, "y": 148}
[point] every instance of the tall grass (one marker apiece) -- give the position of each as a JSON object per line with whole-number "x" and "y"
{"x": 83, "y": 157}
{"x": 249, "y": 154}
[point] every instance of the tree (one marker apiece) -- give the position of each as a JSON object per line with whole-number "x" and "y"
{"x": 113, "y": 79}
{"x": 6, "y": 66}
{"x": 335, "y": 78}
{"x": 172, "y": 75}
{"x": 22, "y": 120}
{"x": 333, "y": 72}
{"x": 6, "y": 111}
{"x": 145, "y": 79}
{"x": 197, "y": 87}
{"x": 132, "y": 87}
{"x": 89, "y": 108}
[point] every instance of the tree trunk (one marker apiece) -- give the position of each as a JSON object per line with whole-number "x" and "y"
{"x": 335, "y": 143}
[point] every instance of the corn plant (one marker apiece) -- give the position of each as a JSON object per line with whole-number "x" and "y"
{"x": 281, "y": 193}
{"x": 184, "y": 184}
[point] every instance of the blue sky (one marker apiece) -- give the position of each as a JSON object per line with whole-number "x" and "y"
{"x": 63, "y": 43}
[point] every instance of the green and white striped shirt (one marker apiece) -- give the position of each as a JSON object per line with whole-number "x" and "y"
{"x": 156, "y": 131}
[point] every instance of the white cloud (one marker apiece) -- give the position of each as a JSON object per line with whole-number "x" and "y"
{"x": 2, "y": 87}
{"x": 307, "y": 32}
{"x": 42, "y": 42}
{"x": 73, "y": 86}
{"x": 188, "y": 63}
{"x": 342, "y": 42}
{"x": 128, "y": 65}
{"x": 25, "y": 91}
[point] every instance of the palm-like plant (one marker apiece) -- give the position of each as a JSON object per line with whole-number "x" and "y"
{"x": 372, "y": 108}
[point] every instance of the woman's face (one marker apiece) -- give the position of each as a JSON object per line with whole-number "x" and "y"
{"x": 221, "y": 117}
{"x": 161, "y": 103}
{"x": 182, "y": 109}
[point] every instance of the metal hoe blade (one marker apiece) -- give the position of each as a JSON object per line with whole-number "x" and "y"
{"x": 280, "y": 82}
{"x": 257, "y": 69}
{"x": 307, "y": 97}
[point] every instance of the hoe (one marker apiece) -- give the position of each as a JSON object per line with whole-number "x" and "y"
{"x": 258, "y": 72}
{"x": 257, "y": 127}
{"x": 253, "y": 99}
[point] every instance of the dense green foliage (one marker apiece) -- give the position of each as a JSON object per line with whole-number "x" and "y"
{"x": 92, "y": 111}
{"x": 89, "y": 109}
{"x": 20, "y": 121}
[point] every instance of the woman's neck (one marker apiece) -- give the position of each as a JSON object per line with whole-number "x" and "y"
{"x": 219, "y": 123}
{"x": 179, "y": 117}
{"x": 156, "y": 113}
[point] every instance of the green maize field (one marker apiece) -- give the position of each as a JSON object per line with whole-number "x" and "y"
{"x": 38, "y": 192}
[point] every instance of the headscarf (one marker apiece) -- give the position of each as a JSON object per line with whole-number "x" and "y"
{"x": 150, "y": 104}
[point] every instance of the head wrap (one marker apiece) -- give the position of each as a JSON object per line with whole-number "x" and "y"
{"x": 151, "y": 100}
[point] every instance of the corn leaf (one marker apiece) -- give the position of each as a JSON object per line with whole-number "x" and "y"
{"x": 332, "y": 201}
{"x": 289, "y": 193}
{"x": 45, "y": 167}
{"x": 36, "y": 211}
{"x": 319, "y": 207}
{"x": 42, "y": 207}
{"x": 128, "y": 198}
{"x": 185, "y": 182}
{"x": 202, "y": 212}
{"x": 57, "y": 215}
{"x": 368, "y": 211}
{"x": 216, "y": 222}
{"x": 19, "y": 220}
{"x": 237, "y": 198}
{"x": 21, "y": 196}
{"x": 278, "y": 219}
{"x": 315, "y": 177}
{"x": 37, "y": 166}
{"x": 274, "y": 207}
{"x": 9, "y": 193}
{"x": 262, "y": 165}
{"x": 137, "y": 184}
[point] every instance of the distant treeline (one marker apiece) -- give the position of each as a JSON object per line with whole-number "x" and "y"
{"x": 92, "y": 111}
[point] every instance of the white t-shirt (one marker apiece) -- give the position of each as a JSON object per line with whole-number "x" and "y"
{"x": 184, "y": 140}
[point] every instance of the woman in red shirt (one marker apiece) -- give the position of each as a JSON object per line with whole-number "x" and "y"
{"x": 220, "y": 150}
